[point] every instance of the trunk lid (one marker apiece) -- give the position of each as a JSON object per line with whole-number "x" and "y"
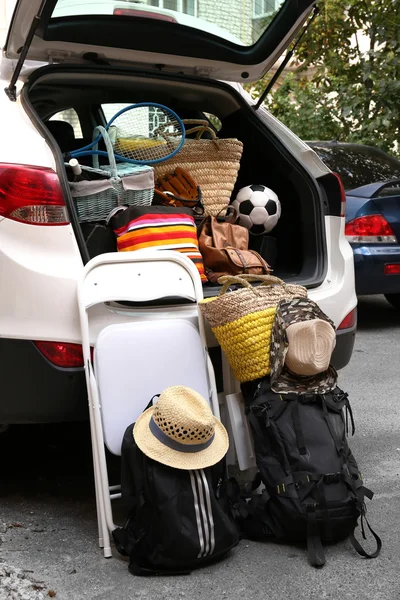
{"x": 232, "y": 40}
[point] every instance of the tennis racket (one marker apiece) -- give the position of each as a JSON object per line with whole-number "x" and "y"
{"x": 143, "y": 134}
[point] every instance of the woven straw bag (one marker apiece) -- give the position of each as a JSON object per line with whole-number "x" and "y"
{"x": 242, "y": 320}
{"x": 214, "y": 165}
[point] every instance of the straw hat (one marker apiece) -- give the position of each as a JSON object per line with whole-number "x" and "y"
{"x": 303, "y": 339}
{"x": 180, "y": 431}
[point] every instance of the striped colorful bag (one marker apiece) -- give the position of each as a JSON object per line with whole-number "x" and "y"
{"x": 164, "y": 227}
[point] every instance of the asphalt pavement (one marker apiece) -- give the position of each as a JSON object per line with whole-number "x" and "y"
{"x": 48, "y": 522}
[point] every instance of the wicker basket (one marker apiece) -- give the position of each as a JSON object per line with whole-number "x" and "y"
{"x": 123, "y": 184}
{"x": 242, "y": 321}
{"x": 213, "y": 164}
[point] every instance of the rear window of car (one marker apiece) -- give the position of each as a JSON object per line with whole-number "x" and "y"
{"x": 241, "y": 22}
{"x": 358, "y": 166}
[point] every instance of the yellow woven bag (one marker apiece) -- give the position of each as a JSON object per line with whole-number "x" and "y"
{"x": 242, "y": 321}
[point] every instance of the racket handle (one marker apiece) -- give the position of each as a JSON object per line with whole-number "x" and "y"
{"x": 76, "y": 169}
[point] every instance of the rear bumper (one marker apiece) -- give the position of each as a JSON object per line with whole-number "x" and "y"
{"x": 369, "y": 263}
{"x": 35, "y": 391}
{"x": 344, "y": 347}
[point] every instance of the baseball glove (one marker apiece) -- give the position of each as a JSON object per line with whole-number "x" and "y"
{"x": 179, "y": 189}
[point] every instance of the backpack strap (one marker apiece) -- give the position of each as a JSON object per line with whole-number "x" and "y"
{"x": 122, "y": 536}
{"x": 253, "y": 420}
{"x": 338, "y": 443}
{"x": 361, "y": 491}
{"x": 248, "y": 509}
{"x": 298, "y": 429}
{"x": 323, "y": 505}
{"x": 316, "y": 554}
{"x": 237, "y": 498}
{"x": 121, "y": 540}
{"x": 356, "y": 544}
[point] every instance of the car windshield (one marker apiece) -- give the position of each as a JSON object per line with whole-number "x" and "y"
{"x": 238, "y": 21}
{"x": 358, "y": 166}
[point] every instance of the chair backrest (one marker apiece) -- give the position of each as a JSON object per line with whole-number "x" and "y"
{"x": 137, "y": 360}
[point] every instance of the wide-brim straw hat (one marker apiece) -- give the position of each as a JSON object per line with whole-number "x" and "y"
{"x": 181, "y": 431}
{"x": 302, "y": 341}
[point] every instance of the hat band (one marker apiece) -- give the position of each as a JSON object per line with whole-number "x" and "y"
{"x": 174, "y": 444}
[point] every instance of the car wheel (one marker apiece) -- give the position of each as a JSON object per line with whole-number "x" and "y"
{"x": 394, "y": 300}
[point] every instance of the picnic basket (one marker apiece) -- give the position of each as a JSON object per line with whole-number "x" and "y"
{"x": 124, "y": 184}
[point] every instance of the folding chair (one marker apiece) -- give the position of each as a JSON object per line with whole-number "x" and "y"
{"x": 139, "y": 348}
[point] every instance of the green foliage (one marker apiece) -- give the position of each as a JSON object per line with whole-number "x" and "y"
{"x": 346, "y": 87}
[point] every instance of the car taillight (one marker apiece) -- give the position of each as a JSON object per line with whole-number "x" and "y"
{"x": 370, "y": 229}
{"x": 62, "y": 354}
{"x": 342, "y": 195}
{"x": 349, "y": 320}
{"x": 31, "y": 195}
{"x": 392, "y": 269}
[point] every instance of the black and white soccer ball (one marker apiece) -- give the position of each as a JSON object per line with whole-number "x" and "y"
{"x": 258, "y": 208}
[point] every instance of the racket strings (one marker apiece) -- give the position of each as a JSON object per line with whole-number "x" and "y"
{"x": 145, "y": 133}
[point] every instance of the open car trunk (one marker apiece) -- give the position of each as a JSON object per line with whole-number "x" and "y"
{"x": 299, "y": 235}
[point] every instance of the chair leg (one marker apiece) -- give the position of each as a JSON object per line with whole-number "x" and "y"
{"x": 101, "y": 460}
{"x": 101, "y": 505}
{"x": 103, "y": 479}
{"x": 96, "y": 481}
{"x": 213, "y": 388}
{"x": 100, "y": 469}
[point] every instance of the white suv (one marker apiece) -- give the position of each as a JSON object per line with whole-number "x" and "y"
{"x": 64, "y": 64}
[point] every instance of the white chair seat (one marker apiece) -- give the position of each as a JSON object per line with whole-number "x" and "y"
{"x": 135, "y": 361}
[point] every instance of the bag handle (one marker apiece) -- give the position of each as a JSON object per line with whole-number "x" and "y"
{"x": 202, "y": 122}
{"x": 265, "y": 279}
{"x": 110, "y": 150}
{"x": 201, "y": 126}
{"x": 231, "y": 217}
{"x": 245, "y": 279}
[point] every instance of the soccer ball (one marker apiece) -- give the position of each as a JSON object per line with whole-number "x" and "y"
{"x": 258, "y": 208}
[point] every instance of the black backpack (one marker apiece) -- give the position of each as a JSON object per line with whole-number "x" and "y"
{"x": 177, "y": 520}
{"x": 313, "y": 488}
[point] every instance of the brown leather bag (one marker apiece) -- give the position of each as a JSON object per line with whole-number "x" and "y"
{"x": 225, "y": 249}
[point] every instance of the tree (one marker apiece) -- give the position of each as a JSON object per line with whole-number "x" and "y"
{"x": 347, "y": 83}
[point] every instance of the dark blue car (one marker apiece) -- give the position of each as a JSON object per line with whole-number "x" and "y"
{"x": 371, "y": 179}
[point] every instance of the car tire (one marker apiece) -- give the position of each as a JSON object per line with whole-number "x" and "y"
{"x": 394, "y": 300}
